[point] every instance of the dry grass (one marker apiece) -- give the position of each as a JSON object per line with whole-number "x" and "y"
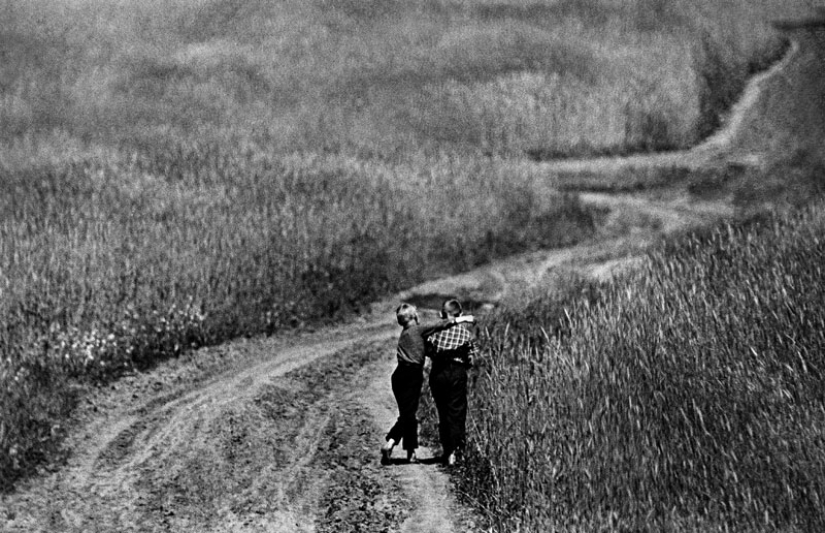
{"x": 687, "y": 397}
{"x": 388, "y": 78}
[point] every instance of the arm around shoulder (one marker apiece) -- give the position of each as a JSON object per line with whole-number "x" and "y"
{"x": 434, "y": 327}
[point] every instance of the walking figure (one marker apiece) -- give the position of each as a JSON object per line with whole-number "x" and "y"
{"x": 408, "y": 377}
{"x": 452, "y": 351}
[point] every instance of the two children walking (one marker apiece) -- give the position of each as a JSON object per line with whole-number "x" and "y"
{"x": 450, "y": 345}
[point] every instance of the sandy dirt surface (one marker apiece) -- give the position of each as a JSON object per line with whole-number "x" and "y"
{"x": 282, "y": 433}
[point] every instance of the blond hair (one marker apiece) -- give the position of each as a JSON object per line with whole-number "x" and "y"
{"x": 405, "y": 314}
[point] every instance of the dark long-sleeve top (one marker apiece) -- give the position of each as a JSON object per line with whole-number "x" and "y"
{"x": 411, "y": 342}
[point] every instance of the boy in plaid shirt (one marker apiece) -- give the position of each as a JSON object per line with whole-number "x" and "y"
{"x": 452, "y": 351}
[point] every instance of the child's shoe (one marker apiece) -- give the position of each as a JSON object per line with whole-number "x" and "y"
{"x": 451, "y": 459}
{"x": 386, "y": 452}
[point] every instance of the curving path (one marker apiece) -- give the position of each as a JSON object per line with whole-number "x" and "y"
{"x": 282, "y": 434}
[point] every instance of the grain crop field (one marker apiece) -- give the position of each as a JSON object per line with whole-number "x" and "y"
{"x": 178, "y": 173}
{"x": 687, "y": 397}
{"x": 376, "y": 78}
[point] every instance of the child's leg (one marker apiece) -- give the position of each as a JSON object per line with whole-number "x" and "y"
{"x": 456, "y": 408}
{"x": 408, "y": 399}
{"x": 406, "y": 387}
{"x": 439, "y": 387}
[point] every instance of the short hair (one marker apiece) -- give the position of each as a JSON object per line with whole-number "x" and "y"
{"x": 451, "y": 308}
{"x": 405, "y": 314}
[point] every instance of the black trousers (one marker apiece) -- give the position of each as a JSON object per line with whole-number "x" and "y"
{"x": 406, "y": 387}
{"x": 448, "y": 383}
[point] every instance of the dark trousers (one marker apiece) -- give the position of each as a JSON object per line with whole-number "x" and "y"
{"x": 406, "y": 387}
{"x": 448, "y": 383}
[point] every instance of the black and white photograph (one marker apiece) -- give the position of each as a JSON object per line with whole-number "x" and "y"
{"x": 412, "y": 266}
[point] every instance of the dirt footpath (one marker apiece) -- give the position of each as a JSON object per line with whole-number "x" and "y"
{"x": 264, "y": 435}
{"x": 282, "y": 434}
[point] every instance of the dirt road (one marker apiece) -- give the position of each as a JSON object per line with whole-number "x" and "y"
{"x": 282, "y": 434}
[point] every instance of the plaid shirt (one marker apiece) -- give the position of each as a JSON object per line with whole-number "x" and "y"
{"x": 456, "y": 344}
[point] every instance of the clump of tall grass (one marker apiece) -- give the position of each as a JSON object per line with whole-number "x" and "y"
{"x": 687, "y": 397}
{"x": 108, "y": 265}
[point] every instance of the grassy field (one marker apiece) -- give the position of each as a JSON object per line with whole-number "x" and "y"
{"x": 372, "y": 78}
{"x": 686, "y": 397}
{"x": 181, "y": 172}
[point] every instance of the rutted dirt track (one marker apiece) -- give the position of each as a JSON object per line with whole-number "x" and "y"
{"x": 282, "y": 434}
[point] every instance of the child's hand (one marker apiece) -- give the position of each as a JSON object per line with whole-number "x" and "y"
{"x": 465, "y": 318}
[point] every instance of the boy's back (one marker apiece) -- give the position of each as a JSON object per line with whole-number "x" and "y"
{"x": 411, "y": 347}
{"x": 453, "y": 344}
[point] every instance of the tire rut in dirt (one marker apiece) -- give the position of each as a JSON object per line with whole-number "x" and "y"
{"x": 299, "y": 456}
{"x": 359, "y": 496}
{"x": 252, "y": 450}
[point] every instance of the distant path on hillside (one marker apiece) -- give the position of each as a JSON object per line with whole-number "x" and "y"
{"x": 282, "y": 433}
{"x": 733, "y": 142}
{"x": 646, "y": 196}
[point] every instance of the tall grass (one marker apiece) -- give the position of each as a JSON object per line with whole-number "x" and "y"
{"x": 381, "y": 78}
{"x": 688, "y": 397}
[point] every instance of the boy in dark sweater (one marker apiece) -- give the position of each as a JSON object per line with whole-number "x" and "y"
{"x": 408, "y": 377}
